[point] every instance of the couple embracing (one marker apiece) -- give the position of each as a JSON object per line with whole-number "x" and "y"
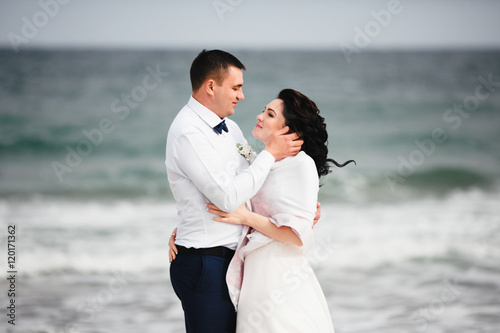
{"x": 245, "y": 221}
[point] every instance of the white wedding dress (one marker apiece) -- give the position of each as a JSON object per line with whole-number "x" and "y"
{"x": 272, "y": 285}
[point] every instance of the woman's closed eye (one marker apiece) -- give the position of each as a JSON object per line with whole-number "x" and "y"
{"x": 269, "y": 114}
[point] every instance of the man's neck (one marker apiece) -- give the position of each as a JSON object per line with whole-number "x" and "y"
{"x": 203, "y": 100}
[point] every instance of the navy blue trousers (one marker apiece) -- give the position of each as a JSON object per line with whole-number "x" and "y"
{"x": 200, "y": 283}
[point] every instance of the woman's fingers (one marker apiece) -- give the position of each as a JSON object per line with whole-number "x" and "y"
{"x": 220, "y": 215}
{"x": 212, "y": 209}
{"x": 219, "y": 218}
{"x": 225, "y": 220}
{"x": 171, "y": 255}
{"x": 318, "y": 214}
{"x": 172, "y": 249}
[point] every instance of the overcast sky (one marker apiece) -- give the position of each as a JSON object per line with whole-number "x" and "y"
{"x": 254, "y": 24}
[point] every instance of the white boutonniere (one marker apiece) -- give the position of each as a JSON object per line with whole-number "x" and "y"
{"x": 245, "y": 150}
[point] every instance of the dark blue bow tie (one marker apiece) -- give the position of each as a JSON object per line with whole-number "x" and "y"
{"x": 220, "y": 127}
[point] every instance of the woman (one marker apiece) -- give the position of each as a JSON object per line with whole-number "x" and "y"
{"x": 278, "y": 291}
{"x": 273, "y": 287}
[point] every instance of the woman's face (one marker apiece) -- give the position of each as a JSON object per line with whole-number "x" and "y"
{"x": 269, "y": 121}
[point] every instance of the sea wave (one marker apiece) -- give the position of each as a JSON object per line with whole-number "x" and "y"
{"x": 59, "y": 236}
{"x": 451, "y": 178}
{"x": 138, "y": 178}
{"x": 385, "y": 185}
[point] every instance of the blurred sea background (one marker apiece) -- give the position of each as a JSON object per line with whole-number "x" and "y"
{"x": 409, "y": 239}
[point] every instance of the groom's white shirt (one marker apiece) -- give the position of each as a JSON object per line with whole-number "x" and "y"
{"x": 204, "y": 166}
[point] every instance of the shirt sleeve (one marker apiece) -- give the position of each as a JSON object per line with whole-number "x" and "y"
{"x": 213, "y": 176}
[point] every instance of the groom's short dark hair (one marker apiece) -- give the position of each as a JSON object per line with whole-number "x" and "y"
{"x": 212, "y": 64}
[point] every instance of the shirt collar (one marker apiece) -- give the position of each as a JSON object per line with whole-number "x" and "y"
{"x": 204, "y": 113}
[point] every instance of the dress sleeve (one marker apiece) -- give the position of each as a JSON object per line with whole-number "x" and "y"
{"x": 296, "y": 206}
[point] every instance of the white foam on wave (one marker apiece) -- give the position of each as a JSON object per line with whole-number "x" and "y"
{"x": 389, "y": 233}
{"x": 55, "y": 236}
{"x": 48, "y": 212}
{"x": 100, "y": 237}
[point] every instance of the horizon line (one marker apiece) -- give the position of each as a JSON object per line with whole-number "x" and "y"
{"x": 393, "y": 48}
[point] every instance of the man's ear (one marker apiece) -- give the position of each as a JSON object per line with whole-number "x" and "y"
{"x": 209, "y": 86}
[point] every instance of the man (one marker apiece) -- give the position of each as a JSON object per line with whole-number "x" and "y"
{"x": 204, "y": 166}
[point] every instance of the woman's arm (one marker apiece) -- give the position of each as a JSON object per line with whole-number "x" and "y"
{"x": 284, "y": 234}
{"x": 172, "y": 249}
{"x": 256, "y": 221}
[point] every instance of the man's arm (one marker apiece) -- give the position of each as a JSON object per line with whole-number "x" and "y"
{"x": 214, "y": 176}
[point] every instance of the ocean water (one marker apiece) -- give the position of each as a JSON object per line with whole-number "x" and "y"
{"x": 409, "y": 239}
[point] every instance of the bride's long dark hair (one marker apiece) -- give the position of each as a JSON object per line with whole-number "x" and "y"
{"x": 302, "y": 116}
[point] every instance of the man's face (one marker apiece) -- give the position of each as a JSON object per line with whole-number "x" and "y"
{"x": 229, "y": 92}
